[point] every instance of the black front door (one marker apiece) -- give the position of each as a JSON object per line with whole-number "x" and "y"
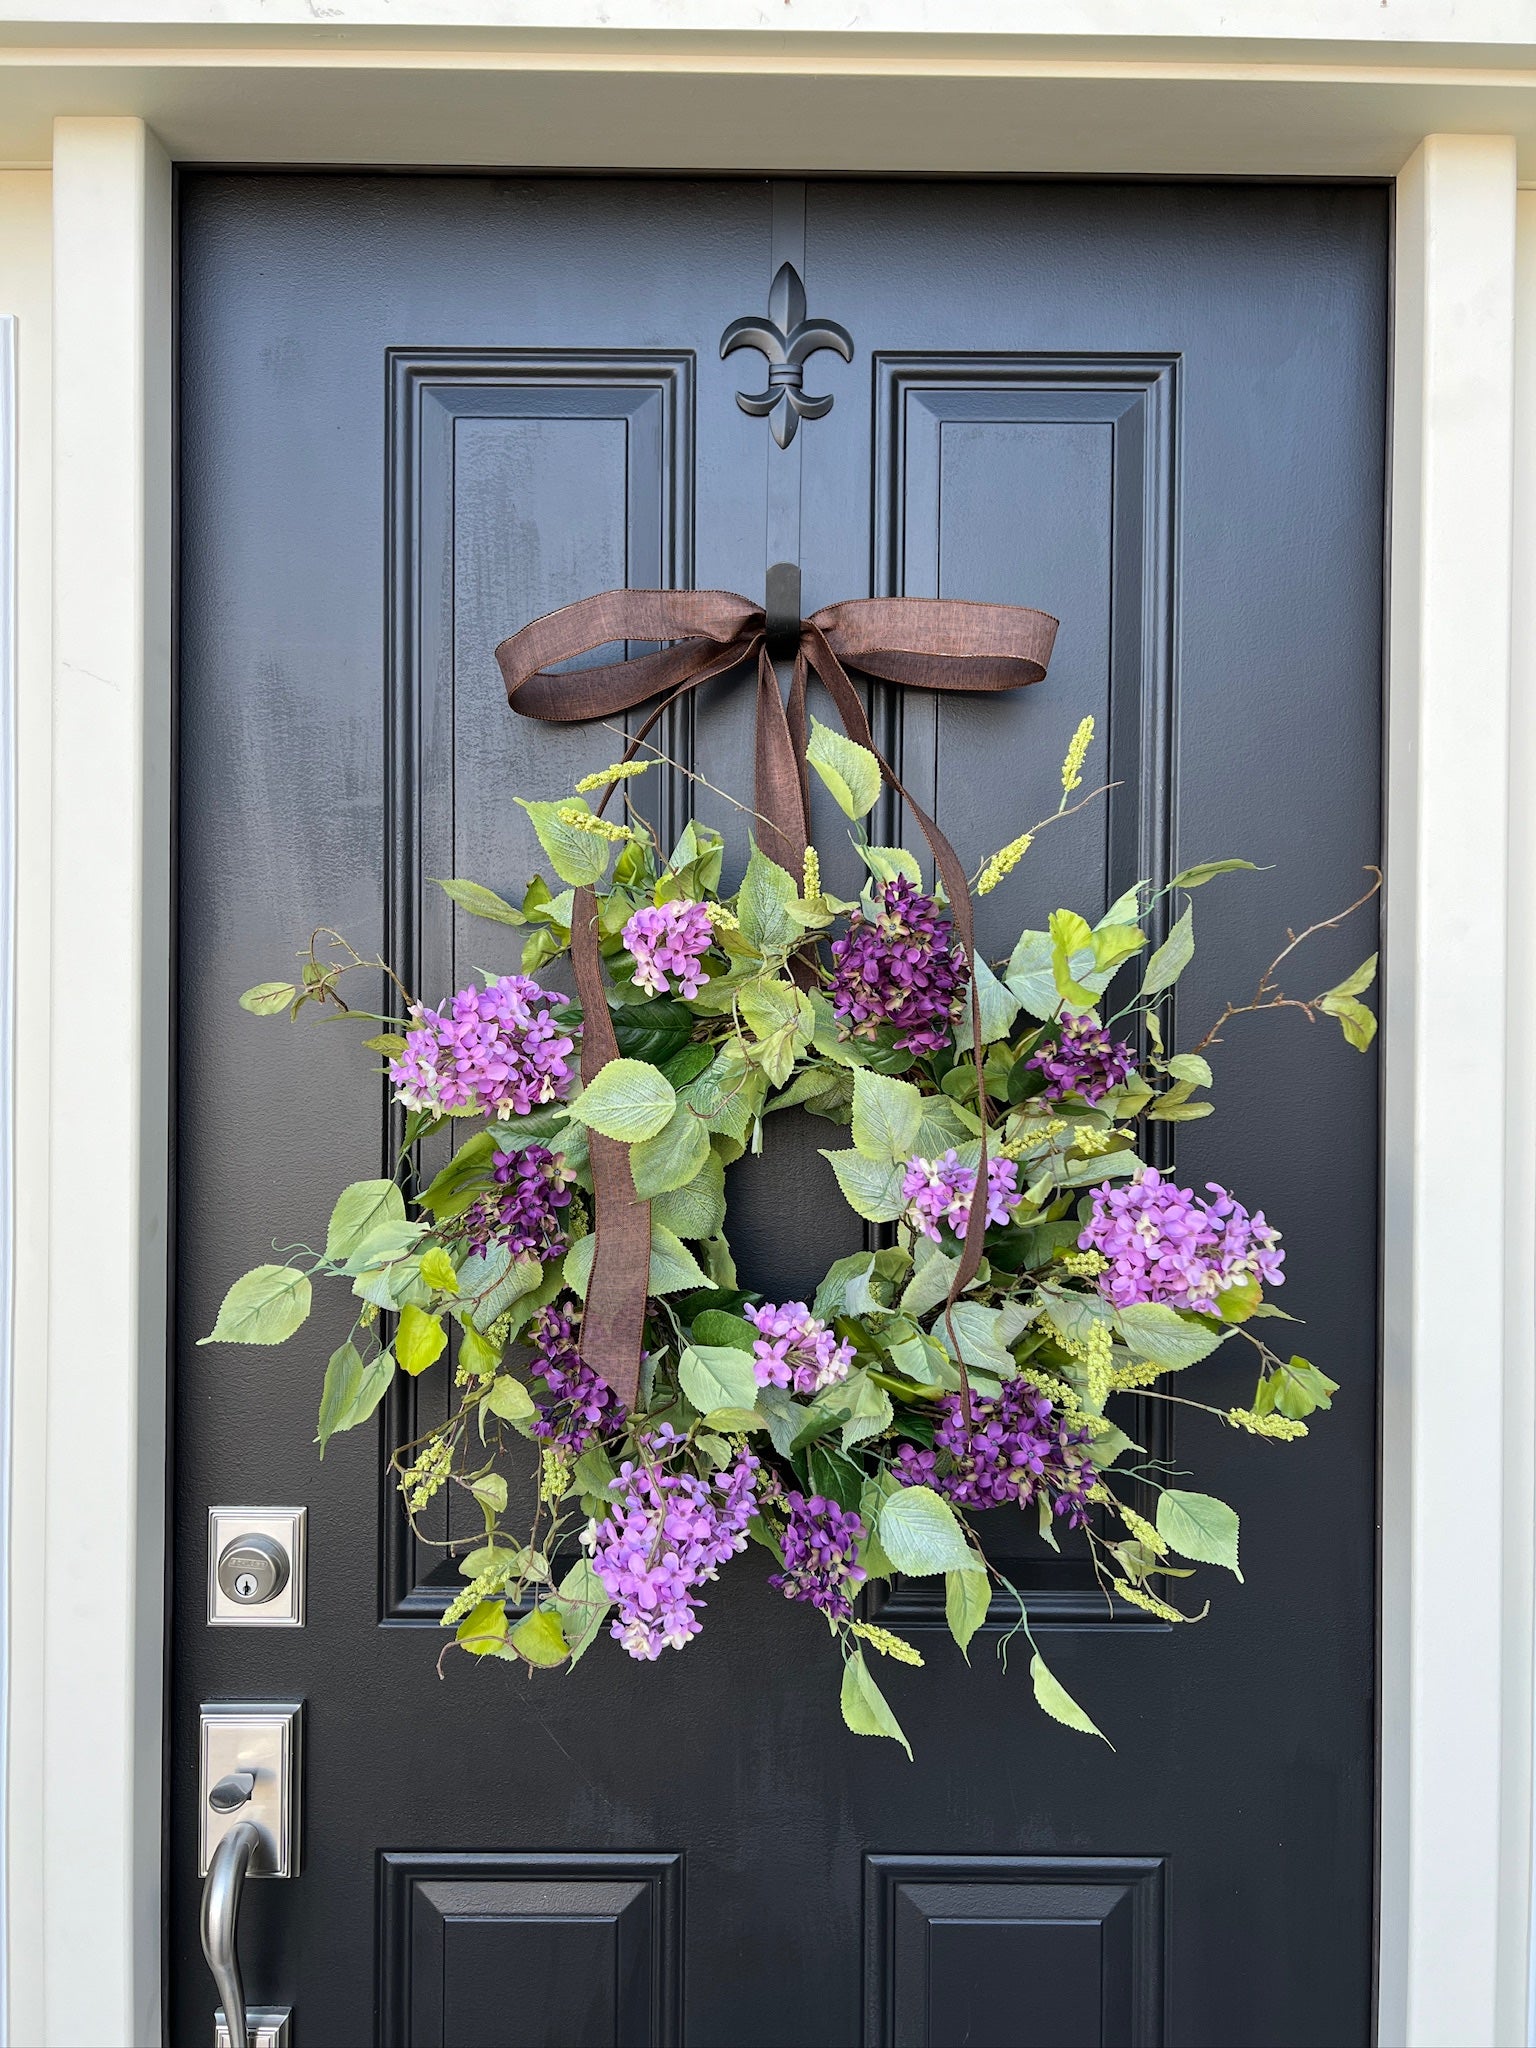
{"x": 417, "y": 412}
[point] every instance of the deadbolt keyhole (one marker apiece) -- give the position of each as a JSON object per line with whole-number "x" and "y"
{"x": 253, "y": 1569}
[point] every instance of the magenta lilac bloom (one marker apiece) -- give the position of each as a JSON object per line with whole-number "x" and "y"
{"x": 669, "y": 938}
{"x": 497, "y": 1050}
{"x": 901, "y": 968}
{"x": 796, "y": 1349}
{"x": 821, "y": 1545}
{"x": 1085, "y": 1061}
{"x": 523, "y": 1213}
{"x": 939, "y": 1191}
{"x": 579, "y": 1405}
{"x": 666, "y": 1534}
{"x": 1165, "y": 1244}
{"x": 1016, "y": 1449}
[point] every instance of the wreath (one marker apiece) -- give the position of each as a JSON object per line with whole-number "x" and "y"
{"x": 1041, "y": 1282}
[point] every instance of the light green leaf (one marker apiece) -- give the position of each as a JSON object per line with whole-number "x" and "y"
{"x": 673, "y": 1157}
{"x": 580, "y": 858}
{"x": 933, "y": 1274}
{"x": 420, "y": 1339}
{"x": 351, "y": 1392}
{"x": 265, "y": 1306}
{"x": 490, "y": 1489}
{"x": 578, "y": 1264}
{"x": 864, "y": 1705}
{"x": 886, "y": 1116}
{"x": 763, "y": 907}
{"x": 977, "y": 1332}
{"x": 485, "y": 903}
{"x": 484, "y": 1629}
{"x": 582, "y": 1604}
{"x": 999, "y": 1006}
{"x": 1199, "y": 1526}
{"x": 437, "y": 1270}
{"x": 1070, "y": 936}
{"x": 627, "y": 1100}
{"x": 1114, "y": 943}
{"x": 1205, "y": 871}
{"x": 362, "y": 1209}
{"x": 674, "y": 1269}
{"x": 967, "y": 1597}
{"x": 1190, "y": 1067}
{"x": 1028, "y": 974}
{"x": 920, "y": 1535}
{"x": 850, "y": 771}
{"x": 1172, "y": 956}
{"x": 698, "y": 1209}
{"x": 1159, "y": 1334}
{"x": 1356, "y": 1021}
{"x": 539, "y": 1639}
{"x": 885, "y": 863}
{"x": 388, "y": 1241}
{"x": 510, "y": 1399}
{"x": 1053, "y": 1697}
{"x": 1357, "y": 983}
{"x": 478, "y": 1355}
{"x": 269, "y": 998}
{"x": 872, "y": 1189}
{"x": 866, "y": 1406}
{"x": 717, "y": 1376}
{"x": 1296, "y": 1389}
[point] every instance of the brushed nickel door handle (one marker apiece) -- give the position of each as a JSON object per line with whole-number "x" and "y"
{"x": 219, "y": 1922}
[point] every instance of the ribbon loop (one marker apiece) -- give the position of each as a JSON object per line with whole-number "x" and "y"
{"x": 922, "y": 643}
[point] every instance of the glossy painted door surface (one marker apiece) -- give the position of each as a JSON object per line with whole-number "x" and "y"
{"x": 417, "y": 412}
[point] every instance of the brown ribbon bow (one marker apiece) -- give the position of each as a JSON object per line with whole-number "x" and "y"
{"x": 925, "y": 643}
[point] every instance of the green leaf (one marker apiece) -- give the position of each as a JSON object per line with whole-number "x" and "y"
{"x": 698, "y": 1209}
{"x": 578, "y": 1264}
{"x": 582, "y": 1604}
{"x": 362, "y": 1209}
{"x": 1299, "y": 1388}
{"x": 490, "y": 1489}
{"x": 480, "y": 902}
{"x": 1207, "y": 870}
{"x": 1159, "y": 1334}
{"x": 484, "y": 1629}
{"x": 920, "y": 1535}
{"x": 865, "y": 1405}
{"x": 1355, "y": 1020}
{"x": 539, "y": 1639}
{"x": 655, "y": 1031}
{"x": 437, "y": 1270}
{"x": 885, "y": 863}
{"x": 1357, "y": 983}
{"x": 1172, "y": 956}
{"x": 627, "y": 1100}
{"x": 717, "y": 1376}
{"x": 674, "y": 1269}
{"x": 420, "y": 1339}
{"x": 510, "y": 1399}
{"x": 850, "y": 771}
{"x": 933, "y": 1274}
{"x": 269, "y": 998}
{"x": 763, "y": 907}
{"x": 967, "y": 1597}
{"x": 999, "y": 1006}
{"x": 673, "y": 1157}
{"x": 1028, "y": 974}
{"x": 264, "y": 1306}
{"x": 1053, "y": 1697}
{"x": 351, "y": 1392}
{"x": 1199, "y": 1526}
{"x": 580, "y": 858}
{"x": 870, "y": 1188}
{"x": 886, "y": 1116}
{"x": 1070, "y": 936}
{"x": 1189, "y": 1066}
{"x": 478, "y": 1355}
{"x": 1114, "y": 943}
{"x": 977, "y": 1332}
{"x": 864, "y": 1706}
{"x": 389, "y": 1241}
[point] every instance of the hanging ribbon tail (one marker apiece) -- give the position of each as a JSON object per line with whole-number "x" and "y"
{"x": 941, "y": 644}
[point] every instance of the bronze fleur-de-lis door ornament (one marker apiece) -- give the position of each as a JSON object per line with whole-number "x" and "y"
{"x": 787, "y": 339}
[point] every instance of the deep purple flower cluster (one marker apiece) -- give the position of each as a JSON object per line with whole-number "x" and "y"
{"x": 669, "y": 938}
{"x": 579, "y": 1404}
{"x": 666, "y": 1534}
{"x": 1016, "y": 1448}
{"x": 1165, "y": 1244}
{"x": 523, "y": 1213}
{"x": 902, "y": 968}
{"x": 796, "y": 1349}
{"x": 821, "y": 1544}
{"x": 1086, "y": 1061}
{"x": 939, "y": 1191}
{"x": 497, "y": 1050}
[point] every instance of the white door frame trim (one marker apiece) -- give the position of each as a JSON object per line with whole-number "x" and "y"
{"x": 1456, "y": 1587}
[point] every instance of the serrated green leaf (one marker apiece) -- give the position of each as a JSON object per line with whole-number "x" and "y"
{"x": 1172, "y": 956}
{"x": 420, "y": 1340}
{"x": 360, "y": 1210}
{"x": 479, "y": 902}
{"x": 627, "y": 1100}
{"x": 1071, "y": 936}
{"x": 850, "y": 771}
{"x": 510, "y": 1399}
{"x": 484, "y": 1629}
{"x": 265, "y": 1306}
{"x": 578, "y": 1264}
{"x": 673, "y": 1157}
{"x": 719, "y": 1326}
{"x": 1029, "y": 976}
{"x": 865, "y": 1710}
{"x": 865, "y": 1407}
{"x": 580, "y": 858}
{"x": 886, "y": 1116}
{"x": 717, "y": 1376}
{"x": 269, "y": 998}
{"x": 1198, "y": 1525}
{"x": 871, "y": 1188}
{"x": 674, "y": 1269}
{"x": 582, "y": 1604}
{"x": 977, "y": 1331}
{"x": 696, "y": 1210}
{"x": 999, "y": 1006}
{"x": 1159, "y": 1334}
{"x": 920, "y": 1535}
{"x": 1190, "y": 1067}
{"x": 886, "y": 863}
{"x": 351, "y": 1392}
{"x": 1052, "y": 1696}
{"x": 1297, "y": 1389}
{"x": 967, "y": 1597}
{"x": 1355, "y": 1020}
{"x": 539, "y": 1639}
{"x": 762, "y": 907}
{"x": 437, "y": 1270}
{"x": 933, "y": 1274}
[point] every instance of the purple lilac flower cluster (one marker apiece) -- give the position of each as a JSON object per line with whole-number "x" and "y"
{"x": 666, "y": 1534}
{"x": 579, "y": 1405}
{"x": 523, "y": 1213}
{"x": 939, "y": 1191}
{"x": 497, "y": 1050}
{"x": 821, "y": 1544}
{"x": 1016, "y": 1448}
{"x": 902, "y": 967}
{"x": 1164, "y": 1243}
{"x": 669, "y": 938}
{"x": 796, "y": 1349}
{"x": 1085, "y": 1061}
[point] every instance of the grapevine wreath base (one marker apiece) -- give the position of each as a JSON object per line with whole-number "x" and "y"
{"x": 1044, "y": 1281}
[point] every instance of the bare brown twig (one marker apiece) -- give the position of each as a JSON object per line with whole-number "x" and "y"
{"x": 1266, "y": 996}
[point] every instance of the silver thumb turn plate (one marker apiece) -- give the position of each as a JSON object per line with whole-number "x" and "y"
{"x": 249, "y": 1760}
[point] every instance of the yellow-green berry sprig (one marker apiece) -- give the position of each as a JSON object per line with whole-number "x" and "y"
{"x": 722, "y": 919}
{"x": 617, "y": 773}
{"x": 484, "y": 1586}
{"x": 810, "y": 885}
{"x": 554, "y": 1474}
{"x": 1143, "y": 1530}
{"x": 1140, "y": 1597}
{"x": 1281, "y": 1427}
{"x": 428, "y": 1475}
{"x": 888, "y": 1645}
{"x": 581, "y": 820}
{"x": 1003, "y": 863}
{"x": 1072, "y": 766}
{"x": 1082, "y": 1265}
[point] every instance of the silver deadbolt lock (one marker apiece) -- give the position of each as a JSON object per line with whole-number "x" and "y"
{"x": 253, "y": 1569}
